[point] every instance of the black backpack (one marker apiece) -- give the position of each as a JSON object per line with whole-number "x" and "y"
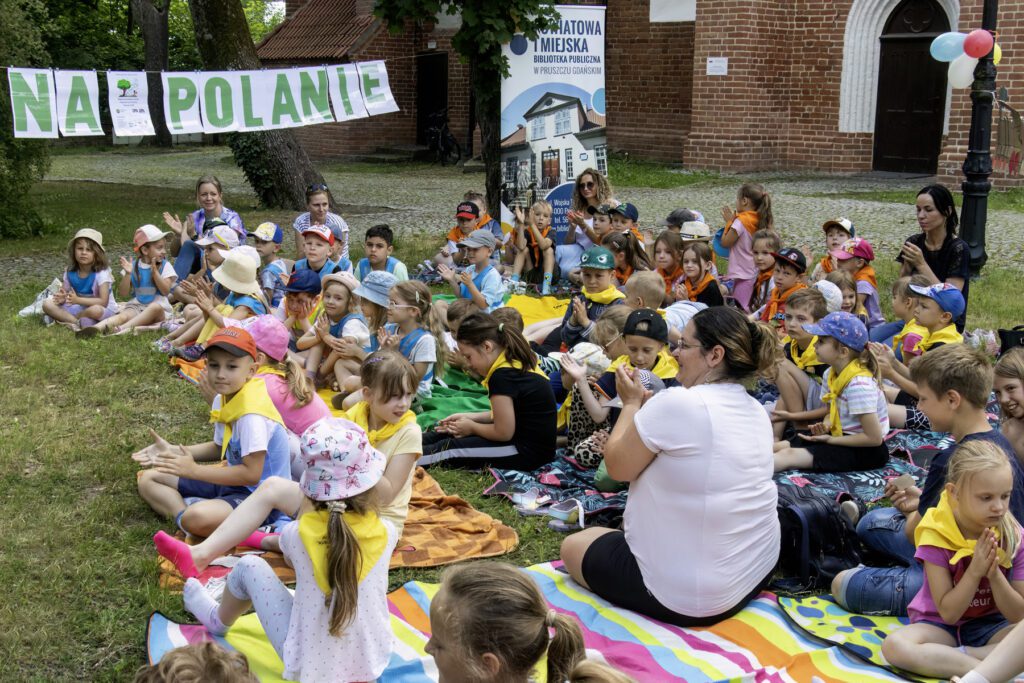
{"x": 818, "y": 541}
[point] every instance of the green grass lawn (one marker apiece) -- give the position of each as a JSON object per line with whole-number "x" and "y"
{"x": 1006, "y": 200}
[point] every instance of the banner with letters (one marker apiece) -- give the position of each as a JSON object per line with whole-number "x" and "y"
{"x": 553, "y": 108}
{"x": 48, "y": 102}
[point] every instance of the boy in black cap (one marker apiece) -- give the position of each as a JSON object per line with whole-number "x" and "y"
{"x": 467, "y": 215}
{"x": 790, "y": 267}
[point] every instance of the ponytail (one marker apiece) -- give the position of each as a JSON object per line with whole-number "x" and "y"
{"x": 437, "y": 328}
{"x": 298, "y": 381}
{"x": 870, "y": 361}
{"x": 762, "y": 202}
{"x": 566, "y": 649}
{"x": 750, "y": 347}
{"x": 589, "y": 671}
{"x": 478, "y": 327}
{"x": 344, "y": 559}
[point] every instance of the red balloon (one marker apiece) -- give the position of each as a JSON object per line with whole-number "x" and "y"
{"x": 979, "y": 43}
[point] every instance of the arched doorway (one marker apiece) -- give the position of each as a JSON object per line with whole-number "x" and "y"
{"x": 911, "y": 90}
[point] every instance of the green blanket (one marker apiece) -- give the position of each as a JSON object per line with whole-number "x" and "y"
{"x": 462, "y": 395}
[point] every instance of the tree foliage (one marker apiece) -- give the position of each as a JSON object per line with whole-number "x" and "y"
{"x": 486, "y": 26}
{"x": 22, "y": 162}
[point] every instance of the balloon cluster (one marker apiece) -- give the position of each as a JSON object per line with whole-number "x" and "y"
{"x": 962, "y": 51}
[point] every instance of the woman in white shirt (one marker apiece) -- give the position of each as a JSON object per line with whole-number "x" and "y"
{"x": 700, "y": 536}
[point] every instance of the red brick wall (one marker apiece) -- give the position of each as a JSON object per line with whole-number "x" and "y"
{"x": 648, "y": 81}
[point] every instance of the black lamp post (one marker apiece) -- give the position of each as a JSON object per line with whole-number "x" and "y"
{"x": 978, "y": 164}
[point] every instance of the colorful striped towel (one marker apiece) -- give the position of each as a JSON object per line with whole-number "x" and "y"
{"x": 759, "y": 644}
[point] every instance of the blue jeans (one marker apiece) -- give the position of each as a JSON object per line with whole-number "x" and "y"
{"x": 187, "y": 261}
{"x": 882, "y": 590}
{"x": 885, "y": 332}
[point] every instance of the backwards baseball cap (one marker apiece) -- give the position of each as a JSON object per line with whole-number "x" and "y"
{"x": 321, "y": 231}
{"x": 268, "y": 232}
{"x": 844, "y": 224}
{"x": 222, "y": 235}
{"x": 467, "y": 210}
{"x": 628, "y": 210}
{"x": 597, "y": 258}
{"x": 340, "y": 462}
{"x": 304, "y": 280}
{"x": 678, "y": 217}
{"x": 479, "y": 238}
{"x": 695, "y": 230}
{"x": 855, "y": 247}
{"x": 845, "y": 328}
{"x": 235, "y": 340}
{"x": 146, "y": 234}
{"x": 793, "y": 257}
{"x": 949, "y": 298}
{"x": 646, "y": 322}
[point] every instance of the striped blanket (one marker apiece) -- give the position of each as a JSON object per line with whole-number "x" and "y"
{"x": 759, "y": 644}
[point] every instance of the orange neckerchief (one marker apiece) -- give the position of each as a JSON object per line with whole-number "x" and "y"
{"x": 534, "y": 247}
{"x": 761, "y": 292}
{"x": 636, "y": 233}
{"x": 484, "y": 220}
{"x": 763, "y": 276}
{"x": 777, "y": 300}
{"x": 749, "y": 220}
{"x": 826, "y": 265}
{"x": 867, "y": 274}
{"x": 670, "y": 279}
{"x": 623, "y": 275}
{"x": 692, "y": 292}
{"x": 456, "y": 235}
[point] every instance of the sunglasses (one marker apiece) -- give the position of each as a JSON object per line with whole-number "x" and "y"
{"x": 588, "y": 185}
{"x": 317, "y": 187}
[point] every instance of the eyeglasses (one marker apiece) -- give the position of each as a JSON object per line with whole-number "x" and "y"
{"x": 588, "y": 185}
{"x": 682, "y": 345}
{"x": 317, "y": 187}
{"x": 610, "y": 342}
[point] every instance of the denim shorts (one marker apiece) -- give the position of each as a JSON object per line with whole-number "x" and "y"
{"x": 192, "y": 488}
{"x": 973, "y": 632}
{"x": 880, "y": 590}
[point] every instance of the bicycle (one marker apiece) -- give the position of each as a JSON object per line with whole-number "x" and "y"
{"x": 441, "y": 141}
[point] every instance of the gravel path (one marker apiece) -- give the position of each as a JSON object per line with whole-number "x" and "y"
{"x": 418, "y": 200}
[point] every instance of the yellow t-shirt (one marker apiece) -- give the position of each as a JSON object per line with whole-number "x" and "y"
{"x": 408, "y": 439}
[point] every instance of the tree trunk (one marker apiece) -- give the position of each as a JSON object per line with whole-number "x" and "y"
{"x": 152, "y": 20}
{"x": 274, "y": 162}
{"x": 486, "y": 87}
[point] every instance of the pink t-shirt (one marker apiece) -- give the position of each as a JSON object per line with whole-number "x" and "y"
{"x": 741, "y": 255}
{"x": 296, "y": 420}
{"x": 923, "y": 608}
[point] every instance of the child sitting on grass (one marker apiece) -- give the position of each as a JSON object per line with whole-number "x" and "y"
{"x": 790, "y": 266}
{"x": 378, "y": 245}
{"x": 480, "y": 282}
{"x": 84, "y": 297}
{"x": 855, "y": 257}
{"x": 765, "y": 244}
{"x": 668, "y": 257}
{"x": 800, "y": 372}
{"x": 904, "y": 334}
{"x": 851, "y": 436}
{"x": 300, "y": 305}
{"x": 336, "y": 341}
{"x": 837, "y": 231}
{"x": 535, "y": 250}
{"x": 318, "y": 243}
{"x": 452, "y": 255}
{"x": 274, "y": 271}
{"x": 699, "y": 285}
{"x": 1009, "y": 389}
{"x": 630, "y": 256}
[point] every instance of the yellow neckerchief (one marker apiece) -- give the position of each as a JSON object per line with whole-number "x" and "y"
{"x": 947, "y": 335}
{"x": 806, "y": 359}
{"x": 502, "y": 362}
{"x": 665, "y": 366}
{"x": 370, "y": 533}
{"x": 836, "y": 384}
{"x": 693, "y": 291}
{"x": 605, "y": 297}
{"x": 938, "y": 528}
{"x": 910, "y": 327}
{"x": 360, "y": 414}
{"x": 251, "y": 399}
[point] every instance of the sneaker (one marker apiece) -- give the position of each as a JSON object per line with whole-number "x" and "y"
{"x": 163, "y": 345}
{"x": 191, "y": 353}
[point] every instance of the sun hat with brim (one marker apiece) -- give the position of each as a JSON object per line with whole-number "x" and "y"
{"x": 89, "y": 234}
{"x": 590, "y": 356}
{"x": 949, "y": 298}
{"x": 479, "y": 238}
{"x": 222, "y": 235}
{"x": 375, "y": 287}
{"x": 340, "y": 462}
{"x": 238, "y": 273}
{"x": 695, "y": 230}
{"x": 345, "y": 278}
{"x": 235, "y": 340}
{"x": 305, "y": 280}
{"x": 845, "y": 328}
{"x": 270, "y": 335}
{"x": 146, "y": 234}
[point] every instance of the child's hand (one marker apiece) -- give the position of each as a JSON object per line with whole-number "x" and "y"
{"x": 458, "y": 427}
{"x": 465, "y": 278}
{"x": 629, "y": 388}
{"x": 126, "y": 265}
{"x": 204, "y": 302}
{"x": 323, "y": 328}
{"x": 579, "y": 312}
{"x": 336, "y": 344}
{"x": 806, "y": 250}
{"x": 206, "y": 387}
{"x": 984, "y": 560}
{"x": 147, "y": 456}
{"x": 177, "y": 461}
{"x": 387, "y": 340}
{"x": 173, "y": 222}
{"x": 728, "y": 215}
{"x": 680, "y": 293}
{"x": 571, "y": 368}
{"x": 520, "y": 216}
{"x": 819, "y": 428}
{"x": 781, "y": 416}
{"x": 907, "y": 500}
{"x": 447, "y": 273}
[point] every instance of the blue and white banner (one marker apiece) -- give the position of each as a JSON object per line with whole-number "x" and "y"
{"x": 553, "y": 108}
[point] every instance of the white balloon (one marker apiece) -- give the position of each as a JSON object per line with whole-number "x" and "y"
{"x": 961, "y": 71}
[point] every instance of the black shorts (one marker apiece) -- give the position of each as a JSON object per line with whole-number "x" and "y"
{"x": 611, "y": 570}
{"x": 832, "y": 458}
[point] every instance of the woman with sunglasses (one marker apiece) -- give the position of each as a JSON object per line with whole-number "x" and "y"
{"x": 592, "y": 190}
{"x": 210, "y": 198}
{"x": 318, "y": 203}
{"x": 700, "y": 535}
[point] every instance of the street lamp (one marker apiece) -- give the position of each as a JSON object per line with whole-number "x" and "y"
{"x": 978, "y": 164}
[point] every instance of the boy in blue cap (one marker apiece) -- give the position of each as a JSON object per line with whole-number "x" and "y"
{"x": 267, "y": 238}
{"x": 624, "y": 219}
{"x": 301, "y": 304}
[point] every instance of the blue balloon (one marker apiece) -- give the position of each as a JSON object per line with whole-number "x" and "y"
{"x": 948, "y": 46}
{"x": 717, "y": 245}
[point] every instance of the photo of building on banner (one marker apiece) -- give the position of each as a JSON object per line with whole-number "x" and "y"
{"x": 553, "y": 110}
{"x": 45, "y": 101}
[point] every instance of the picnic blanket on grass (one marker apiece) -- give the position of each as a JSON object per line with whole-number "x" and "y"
{"x": 536, "y": 309}
{"x": 758, "y": 644}
{"x": 213, "y": 576}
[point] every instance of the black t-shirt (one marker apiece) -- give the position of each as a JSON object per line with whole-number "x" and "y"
{"x": 952, "y": 259}
{"x": 536, "y": 414}
{"x": 936, "y": 480}
{"x": 711, "y": 296}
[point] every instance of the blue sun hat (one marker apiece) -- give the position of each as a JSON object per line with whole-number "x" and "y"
{"x": 375, "y": 287}
{"x": 846, "y": 328}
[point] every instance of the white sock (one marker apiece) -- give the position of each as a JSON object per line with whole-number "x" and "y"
{"x": 204, "y": 607}
{"x": 973, "y": 677}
